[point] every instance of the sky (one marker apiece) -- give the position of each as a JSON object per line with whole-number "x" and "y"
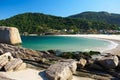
{"x": 64, "y": 8}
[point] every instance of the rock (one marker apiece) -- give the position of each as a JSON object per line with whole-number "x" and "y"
{"x": 9, "y": 63}
{"x": 52, "y": 52}
{"x": 9, "y": 35}
{"x": 58, "y": 52}
{"x": 95, "y": 67}
{"x": 20, "y": 67}
{"x": 109, "y": 62}
{"x": 46, "y": 52}
{"x": 61, "y": 70}
{"x": 1, "y": 51}
{"x": 42, "y": 60}
{"x": 7, "y": 55}
{"x": 114, "y": 73}
{"x": 23, "y": 53}
{"x": 3, "y": 61}
{"x": 5, "y": 58}
{"x": 10, "y": 66}
{"x": 118, "y": 67}
{"x": 81, "y": 63}
{"x": 71, "y": 63}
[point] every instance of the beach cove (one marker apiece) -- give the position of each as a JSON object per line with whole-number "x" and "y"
{"x": 73, "y": 43}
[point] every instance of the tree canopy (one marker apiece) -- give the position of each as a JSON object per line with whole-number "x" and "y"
{"x": 41, "y": 23}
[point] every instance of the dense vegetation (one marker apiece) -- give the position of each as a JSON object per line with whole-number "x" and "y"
{"x": 106, "y": 17}
{"x": 41, "y": 23}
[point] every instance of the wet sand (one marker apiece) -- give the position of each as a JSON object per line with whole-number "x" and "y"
{"x": 116, "y": 50}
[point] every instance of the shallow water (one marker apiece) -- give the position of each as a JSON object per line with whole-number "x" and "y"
{"x": 65, "y": 43}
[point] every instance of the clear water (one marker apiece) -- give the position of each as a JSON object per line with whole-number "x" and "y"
{"x": 64, "y": 43}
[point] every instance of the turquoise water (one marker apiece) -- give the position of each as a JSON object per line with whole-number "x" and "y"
{"x": 64, "y": 43}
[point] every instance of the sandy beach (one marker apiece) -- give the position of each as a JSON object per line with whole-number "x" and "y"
{"x": 114, "y": 38}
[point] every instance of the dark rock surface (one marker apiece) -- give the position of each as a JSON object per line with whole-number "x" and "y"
{"x": 109, "y": 62}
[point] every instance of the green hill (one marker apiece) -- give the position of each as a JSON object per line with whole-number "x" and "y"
{"x": 106, "y": 17}
{"x": 42, "y": 23}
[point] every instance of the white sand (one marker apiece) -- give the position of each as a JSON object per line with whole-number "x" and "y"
{"x": 27, "y": 74}
{"x": 102, "y": 36}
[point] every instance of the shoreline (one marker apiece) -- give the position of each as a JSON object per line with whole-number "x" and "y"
{"x": 115, "y": 50}
{"x": 114, "y": 39}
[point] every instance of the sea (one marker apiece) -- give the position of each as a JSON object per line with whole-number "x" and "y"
{"x": 66, "y": 43}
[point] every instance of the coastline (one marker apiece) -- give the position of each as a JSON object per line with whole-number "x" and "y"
{"x": 115, "y": 39}
{"x": 115, "y": 50}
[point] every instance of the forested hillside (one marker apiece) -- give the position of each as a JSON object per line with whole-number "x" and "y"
{"x": 41, "y": 23}
{"x": 106, "y": 17}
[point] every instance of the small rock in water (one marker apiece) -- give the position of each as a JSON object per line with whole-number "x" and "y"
{"x": 58, "y": 52}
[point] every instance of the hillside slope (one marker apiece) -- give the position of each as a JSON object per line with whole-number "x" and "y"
{"x": 42, "y": 23}
{"x": 110, "y": 18}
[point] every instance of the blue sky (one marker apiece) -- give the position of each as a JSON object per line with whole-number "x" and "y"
{"x": 63, "y": 8}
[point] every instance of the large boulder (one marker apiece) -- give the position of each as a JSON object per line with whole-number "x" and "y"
{"x": 9, "y": 35}
{"x": 13, "y": 65}
{"x": 5, "y": 58}
{"x": 9, "y": 63}
{"x": 62, "y": 70}
{"x": 109, "y": 62}
{"x": 71, "y": 63}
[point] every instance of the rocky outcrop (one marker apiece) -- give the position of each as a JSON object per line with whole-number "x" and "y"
{"x": 9, "y": 35}
{"x": 62, "y": 70}
{"x": 11, "y": 64}
{"x": 19, "y": 52}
